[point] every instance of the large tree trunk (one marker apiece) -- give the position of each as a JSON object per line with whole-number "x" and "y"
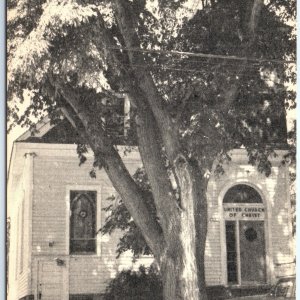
{"x": 183, "y": 220}
{"x": 182, "y": 265}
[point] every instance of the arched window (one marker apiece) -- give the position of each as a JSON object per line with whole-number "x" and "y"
{"x": 83, "y": 222}
{"x": 242, "y": 193}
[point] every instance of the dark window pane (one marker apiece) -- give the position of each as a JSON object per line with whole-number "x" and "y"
{"x": 231, "y": 256}
{"x": 231, "y": 252}
{"x": 231, "y": 267}
{"x": 232, "y": 278}
{"x": 242, "y": 193}
{"x": 83, "y": 221}
{"x": 83, "y": 246}
{"x": 231, "y": 246}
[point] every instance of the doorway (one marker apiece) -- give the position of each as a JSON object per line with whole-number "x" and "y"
{"x": 51, "y": 285}
{"x": 252, "y": 252}
{"x": 244, "y": 216}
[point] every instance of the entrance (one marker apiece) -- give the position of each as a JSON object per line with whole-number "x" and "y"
{"x": 50, "y": 281}
{"x": 245, "y": 236}
{"x": 252, "y": 252}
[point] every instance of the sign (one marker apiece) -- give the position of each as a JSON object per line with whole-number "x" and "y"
{"x": 244, "y": 212}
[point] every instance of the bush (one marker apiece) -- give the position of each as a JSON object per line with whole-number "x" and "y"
{"x": 144, "y": 284}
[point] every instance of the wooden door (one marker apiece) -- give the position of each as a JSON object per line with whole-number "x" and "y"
{"x": 51, "y": 285}
{"x": 252, "y": 252}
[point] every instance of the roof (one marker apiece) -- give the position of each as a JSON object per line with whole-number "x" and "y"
{"x": 62, "y": 132}
{"x": 47, "y": 132}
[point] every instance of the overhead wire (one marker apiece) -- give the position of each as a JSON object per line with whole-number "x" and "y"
{"x": 158, "y": 64}
{"x": 254, "y": 65}
{"x": 205, "y": 55}
{"x": 194, "y": 71}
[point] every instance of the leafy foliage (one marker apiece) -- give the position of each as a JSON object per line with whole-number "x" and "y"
{"x": 120, "y": 218}
{"x": 61, "y": 39}
{"x": 144, "y": 284}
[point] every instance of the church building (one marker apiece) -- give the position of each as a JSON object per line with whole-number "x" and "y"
{"x": 56, "y": 209}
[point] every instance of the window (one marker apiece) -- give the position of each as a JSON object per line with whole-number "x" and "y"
{"x": 83, "y": 222}
{"x": 231, "y": 252}
{"x": 242, "y": 193}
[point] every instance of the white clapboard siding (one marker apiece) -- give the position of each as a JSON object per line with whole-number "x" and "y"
{"x": 213, "y": 264}
{"x": 87, "y": 273}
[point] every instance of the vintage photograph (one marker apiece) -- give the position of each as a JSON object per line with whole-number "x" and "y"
{"x": 151, "y": 149}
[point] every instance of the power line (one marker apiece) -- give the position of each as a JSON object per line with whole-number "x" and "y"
{"x": 194, "y": 71}
{"x": 204, "y": 55}
{"x": 211, "y": 64}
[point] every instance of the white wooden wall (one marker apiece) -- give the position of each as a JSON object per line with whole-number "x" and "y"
{"x": 20, "y": 233}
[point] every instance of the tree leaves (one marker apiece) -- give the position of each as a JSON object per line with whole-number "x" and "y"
{"x": 216, "y": 104}
{"x": 31, "y": 56}
{"x": 119, "y": 218}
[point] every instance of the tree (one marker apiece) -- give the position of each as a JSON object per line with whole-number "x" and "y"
{"x": 187, "y": 110}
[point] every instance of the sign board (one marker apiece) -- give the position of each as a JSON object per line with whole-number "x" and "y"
{"x": 244, "y": 212}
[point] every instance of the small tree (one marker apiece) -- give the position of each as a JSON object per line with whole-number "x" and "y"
{"x": 188, "y": 111}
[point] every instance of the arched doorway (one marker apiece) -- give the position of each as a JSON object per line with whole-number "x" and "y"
{"x": 244, "y": 216}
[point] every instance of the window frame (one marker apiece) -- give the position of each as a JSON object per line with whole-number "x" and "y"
{"x": 235, "y": 261}
{"x": 91, "y": 198}
{"x": 88, "y": 188}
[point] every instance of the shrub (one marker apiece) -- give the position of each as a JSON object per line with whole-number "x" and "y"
{"x": 144, "y": 284}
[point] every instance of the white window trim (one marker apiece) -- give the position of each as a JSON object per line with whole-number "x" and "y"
{"x": 96, "y": 188}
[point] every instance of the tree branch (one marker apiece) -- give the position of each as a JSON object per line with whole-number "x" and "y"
{"x": 168, "y": 129}
{"x": 116, "y": 170}
{"x": 154, "y": 163}
{"x": 231, "y": 94}
{"x": 184, "y": 103}
{"x": 255, "y": 13}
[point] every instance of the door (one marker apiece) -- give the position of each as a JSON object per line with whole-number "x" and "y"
{"x": 50, "y": 281}
{"x": 252, "y": 252}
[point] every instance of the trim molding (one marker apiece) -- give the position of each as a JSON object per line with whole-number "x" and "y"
{"x": 88, "y": 187}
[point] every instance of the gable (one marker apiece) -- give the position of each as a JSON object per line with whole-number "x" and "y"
{"x": 64, "y": 133}
{"x": 60, "y": 133}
